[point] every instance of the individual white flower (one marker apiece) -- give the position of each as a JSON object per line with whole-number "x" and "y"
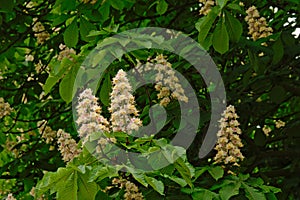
{"x": 124, "y": 115}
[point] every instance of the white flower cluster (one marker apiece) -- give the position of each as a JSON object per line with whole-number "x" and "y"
{"x": 257, "y": 25}
{"x": 65, "y": 52}
{"x": 5, "y": 108}
{"x": 40, "y": 32}
{"x": 229, "y": 141}
{"x": 206, "y": 8}
{"x": 67, "y": 146}
{"x": 267, "y": 129}
{"x": 279, "y": 123}
{"x": 124, "y": 115}
{"x": 47, "y": 133}
{"x": 167, "y": 82}
{"x": 131, "y": 190}
{"x": 90, "y": 119}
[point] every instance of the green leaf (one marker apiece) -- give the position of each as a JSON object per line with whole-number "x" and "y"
{"x": 67, "y": 189}
{"x": 271, "y": 196}
{"x": 222, "y": 3}
{"x": 216, "y": 172}
{"x": 220, "y": 38}
{"x": 138, "y": 175}
{"x": 7, "y": 5}
{"x": 203, "y": 194}
{"x": 205, "y": 23}
{"x": 71, "y": 34}
{"x": 86, "y": 190}
{"x": 116, "y": 4}
{"x": 155, "y": 184}
{"x": 184, "y": 171}
{"x": 52, "y": 179}
{"x": 157, "y": 159}
{"x": 230, "y": 190}
{"x": 58, "y": 69}
{"x": 99, "y": 173}
{"x": 235, "y": 6}
{"x": 254, "y": 61}
{"x": 278, "y": 51}
{"x": 67, "y": 84}
{"x": 59, "y": 20}
{"x": 178, "y": 180}
{"x": 85, "y": 28}
{"x": 234, "y": 27}
{"x": 277, "y": 94}
{"x": 252, "y": 193}
{"x": 66, "y": 87}
{"x": 161, "y": 7}
{"x": 67, "y": 183}
{"x": 199, "y": 172}
{"x": 105, "y": 91}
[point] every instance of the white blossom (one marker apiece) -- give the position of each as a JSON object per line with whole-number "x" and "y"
{"x": 124, "y": 115}
{"x": 229, "y": 142}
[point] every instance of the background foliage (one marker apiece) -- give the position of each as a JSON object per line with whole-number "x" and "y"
{"x": 262, "y": 88}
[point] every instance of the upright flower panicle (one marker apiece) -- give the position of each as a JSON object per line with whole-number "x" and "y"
{"x": 124, "y": 115}
{"x": 206, "y": 8}
{"x": 67, "y": 146}
{"x": 5, "y": 108}
{"x": 90, "y": 119}
{"x": 229, "y": 142}
{"x": 257, "y": 25}
{"x": 167, "y": 83}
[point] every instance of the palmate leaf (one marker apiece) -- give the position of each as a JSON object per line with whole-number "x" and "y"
{"x": 67, "y": 183}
